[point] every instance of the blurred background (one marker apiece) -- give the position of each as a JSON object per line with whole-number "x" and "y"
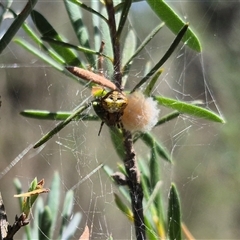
{"x": 206, "y": 155}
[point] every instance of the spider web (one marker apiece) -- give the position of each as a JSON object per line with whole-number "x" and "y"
{"x": 77, "y": 150}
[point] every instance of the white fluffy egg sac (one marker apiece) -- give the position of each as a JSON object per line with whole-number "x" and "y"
{"x": 141, "y": 113}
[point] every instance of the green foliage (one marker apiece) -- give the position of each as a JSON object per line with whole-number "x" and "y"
{"x": 174, "y": 215}
{"x": 174, "y": 22}
{"x": 15, "y": 26}
{"x": 188, "y": 108}
{"x": 59, "y": 54}
{"x": 45, "y": 28}
{"x": 46, "y": 217}
{"x": 158, "y": 225}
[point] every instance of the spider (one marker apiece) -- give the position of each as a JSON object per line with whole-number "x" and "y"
{"x": 110, "y": 108}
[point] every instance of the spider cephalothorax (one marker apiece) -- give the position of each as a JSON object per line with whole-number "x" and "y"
{"x": 114, "y": 101}
{"x": 110, "y": 108}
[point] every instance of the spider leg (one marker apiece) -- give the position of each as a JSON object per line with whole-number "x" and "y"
{"x": 100, "y": 128}
{"x": 120, "y": 125}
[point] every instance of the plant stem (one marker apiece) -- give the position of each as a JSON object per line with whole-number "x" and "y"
{"x": 133, "y": 174}
{"x": 115, "y": 43}
{"x": 135, "y": 187}
{"x": 6, "y": 230}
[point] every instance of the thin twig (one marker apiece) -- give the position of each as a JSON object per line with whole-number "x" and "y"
{"x": 134, "y": 184}
{"x": 6, "y": 230}
{"x": 133, "y": 174}
{"x": 19, "y": 222}
{"x": 115, "y": 43}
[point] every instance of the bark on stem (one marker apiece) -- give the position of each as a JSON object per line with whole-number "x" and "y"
{"x": 134, "y": 184}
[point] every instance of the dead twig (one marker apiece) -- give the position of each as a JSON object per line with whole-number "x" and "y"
{"x": 6, "y": 230}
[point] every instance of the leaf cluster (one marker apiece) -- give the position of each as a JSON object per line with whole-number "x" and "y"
{"x": 46, "y": 216}
{"x": 59, "y": 53}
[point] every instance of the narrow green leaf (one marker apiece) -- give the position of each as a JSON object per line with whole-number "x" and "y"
{"x": 129, "y": 48}
{"x": 84, "y": 6}
{"x": 38, "y": 210}
{"x": 67, "y": 210}
{"x": 72, "y": 227}
{"x": 46, "y": 115}
{"x": 96, "y": 24}
{"x": 144, "y": 167}
{"x": 140, "y": 48}
{"x": 68, "y": 204}
{"x": 150, "y": 211}
{"x": 75, "y": 16}
{"x": 33, "y": 184}
{"x": 145, "y": 185}
{"x": 46, "y": 29}
{"x": 190, "y": 109}
{"x": 29, "y": 31}
{"x": 55, "y": 56}
{"x": 78, "y": 48}
{"x": 123, "y": 207}
{"x": 39, "y": 54}
{"x": 174, "y": 22}
{"x": 123, "y": 18}
{"x": 53, "y": 202}
{"x": 18, "y": 187}
{"x": 108, "y": 66}
{"x": 60, "y": 126}
{"x": 152, "y": 198}
{"x": 117, "y": 140}
{"x": 12, "y": 30}
{"x": 122, "y": 189}
{"x": 150, "y": 231}
{"x": 29, "y": 201}
{"x": 122, "y": 168}
{"x": 155, "y": 178}
{"x": 169, "y": 52}
{"x": 151, "y": 84}
{"x": 151, "y": 142}
{"x": 32, "y": 187}
{"x": 45, "y": 224}
{"x": 174, "y": 215}
{"x": 119, "y": 6}
{"x": 29, "y": 47}
{"x": 154, "y": 167}
{"x": 168, "y": 118}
